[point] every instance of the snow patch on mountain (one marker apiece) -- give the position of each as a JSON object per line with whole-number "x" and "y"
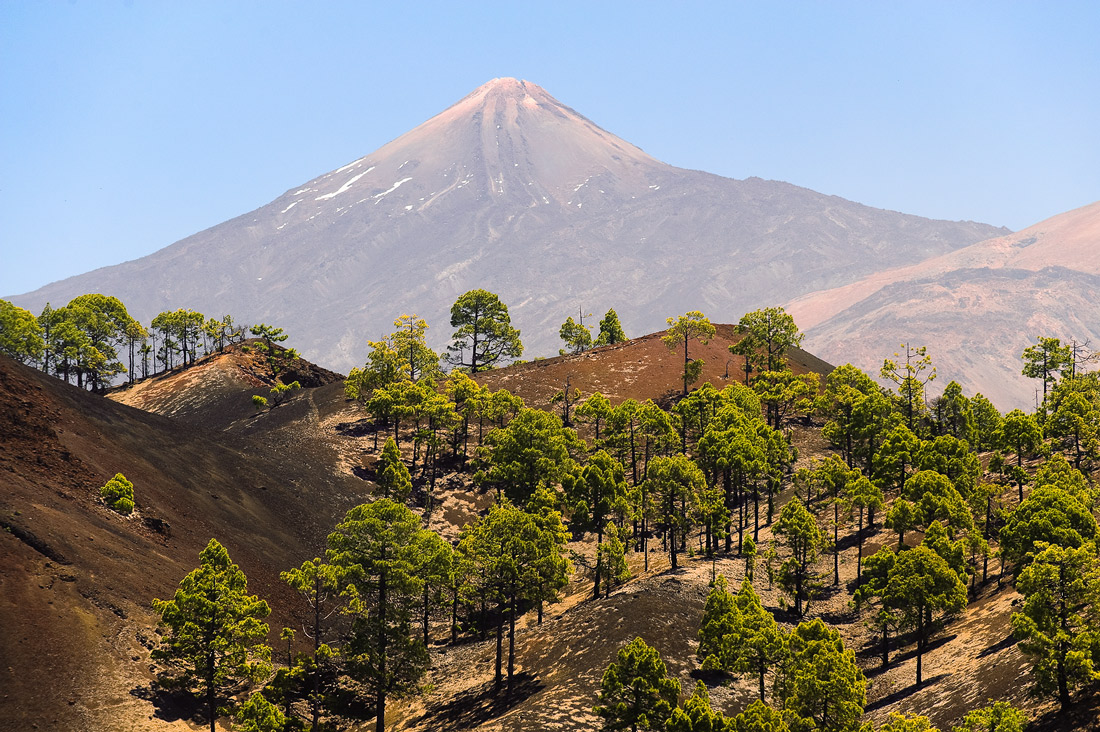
{"x": 344, "y": 187}
{"x": 378, "y": 196}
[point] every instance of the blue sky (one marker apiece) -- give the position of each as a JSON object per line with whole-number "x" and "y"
{"x": 125, "y": 126}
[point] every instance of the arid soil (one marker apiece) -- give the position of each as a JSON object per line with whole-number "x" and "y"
{"x": 76, "y": 580}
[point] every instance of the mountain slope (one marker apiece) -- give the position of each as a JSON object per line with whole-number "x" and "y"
{"x": 976, "y": 308}
{"x": 513, "y": 191}
{"x": 77, "y": 580}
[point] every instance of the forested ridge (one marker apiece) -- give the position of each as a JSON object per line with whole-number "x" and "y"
{"x": 843, "y": 530}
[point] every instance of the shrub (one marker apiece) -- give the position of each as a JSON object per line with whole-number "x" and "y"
{"x": 118, "y": 493}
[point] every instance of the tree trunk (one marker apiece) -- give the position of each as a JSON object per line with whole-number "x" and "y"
{"x": 836, "y": 540}
{"x": 599, "y": 543}
{"x": 859, "y": 552}
{"x": 498, "y": 674}
{"x": 454, "y": 616}
{"x": 425, "y": 614}
{"x": 380, "y": 701}
{"x": 762, "y": 668}
{"x": 885, "y": 645}
{"x": 511, "y": 636}
{"x": 211, "y": 710}
{"x": 920, "y": 644}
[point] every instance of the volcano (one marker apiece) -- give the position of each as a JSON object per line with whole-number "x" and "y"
{"x": 512, "y": 191}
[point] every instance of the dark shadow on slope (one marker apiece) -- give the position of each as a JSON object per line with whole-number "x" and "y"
{"x": 358, "y": 428}
{"x": 1006, "y": 642}
{"x": 171, "y": 705}
{"x": 482, "y": 704}
{"x": 1083, "y": 714}
{"x": 902, "y": 693}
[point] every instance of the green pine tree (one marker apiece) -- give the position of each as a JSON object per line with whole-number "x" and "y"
{"x": 212, "y": 631}
{"x": 636, "y": 692}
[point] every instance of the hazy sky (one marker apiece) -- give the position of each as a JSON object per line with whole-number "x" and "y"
{"x": 125, "y": 126}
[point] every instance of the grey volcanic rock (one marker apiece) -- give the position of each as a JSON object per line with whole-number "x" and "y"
{"x": 976, "y": 309}
{"x": 512, "y": 191}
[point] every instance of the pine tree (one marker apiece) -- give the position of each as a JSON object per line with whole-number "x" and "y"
{"x": 636, "y": 692}
{"x": 898, "y": 722}
{"x": 987, "y": 422}
{"x": 675, "y": 483}
{"x": 611, "y": 561}
{"x": 594, "y": 410}
{"x": 483, "y": 329}
{"x": 761, "y": 643}
{"x": 804, "y": 541}
{"x": 719, "y": 624}
{"x": 1045, "y": 360}
{"x": 377, "y": 548}
{"x": 691, "y": 326}
{"x": 696, "y": 714}
{"x": 21, "y": 334}
{"x": 759, "y": 717}
{"x": 910, "y": 382}
{"x": 1075, "y": 421}
{"x": 118, "y": 493}
{"x": 535, "y": 447}
{"x": 820, "y": 681}
{"x": 577, "y": 337}
{"x": 259, "y": 715}
{"x": 997, "y": 717}
{"x": 212, "y": 631}
{"x": 394, "y": 481}
{"x": 920, "y": 585}
{"x": 318, "y": 583}
{"x": 766, "y": 335}
{"x": 1050, "y": 515}
{"x": 408, "y": 340}
{"x": 599, "y": 488}
{"x": 1058, "y": 627}
{"x": 611, "y": 331}
{"x": 862, "y": 496}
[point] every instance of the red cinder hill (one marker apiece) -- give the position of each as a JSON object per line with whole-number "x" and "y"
{"x": 640, "y": 368}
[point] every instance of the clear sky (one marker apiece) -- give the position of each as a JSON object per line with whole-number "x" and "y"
{"x": 126, "y": 126}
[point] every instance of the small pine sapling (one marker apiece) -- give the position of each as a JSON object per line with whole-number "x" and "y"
{"x": 118, "y": 494}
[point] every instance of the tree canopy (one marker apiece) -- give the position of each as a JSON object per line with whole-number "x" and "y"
{"x": 483, "y": 335}
{"x": 636, "y": 692}
{"x": 212, "y": 630}
{"x": 681, "y": 331}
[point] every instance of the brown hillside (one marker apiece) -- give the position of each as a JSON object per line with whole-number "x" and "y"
{"x": 640, "y": 368}
{"x": 216, "y": 390}
{"x": 76, "y": 579}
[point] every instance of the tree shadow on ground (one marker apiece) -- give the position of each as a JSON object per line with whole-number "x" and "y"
{"x": 902, "y": 693}
{"x": 481, "y": 704}
{"x": 1083, "y": 715}
{"x": 171, "y": 705}
{"x": 900, "y": 656}
{"x": 358, "y": 428}
{"x": 1007, "y": 642}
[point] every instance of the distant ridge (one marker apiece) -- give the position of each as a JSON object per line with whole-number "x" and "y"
{"x": 976, "y": 308}
{"x": 515, "y": 192}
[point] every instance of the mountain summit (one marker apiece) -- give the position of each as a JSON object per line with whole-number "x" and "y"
{"x": 512, "y": 191}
